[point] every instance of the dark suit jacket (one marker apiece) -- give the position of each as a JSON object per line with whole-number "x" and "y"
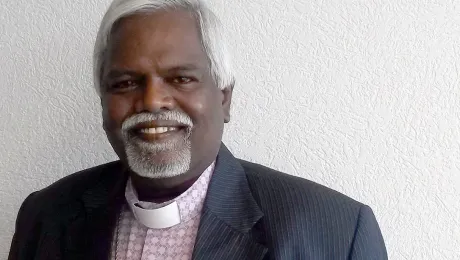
{"x": 251, "y": 212}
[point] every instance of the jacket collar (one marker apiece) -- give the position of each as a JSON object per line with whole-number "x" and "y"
{"x": 102, "y": 203}
{"x": 108, "y": 190}
{"x": 230, "y": 213}
{"x": 229, "y": 196}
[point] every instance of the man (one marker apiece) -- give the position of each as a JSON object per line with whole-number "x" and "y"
{"x": 165, "y": 82}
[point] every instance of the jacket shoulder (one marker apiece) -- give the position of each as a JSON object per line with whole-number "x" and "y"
{"x": 42, "y": 209}
{"x": 74, "y": 184}
{"x": 284, "y": 186}
{"x": 301, "y": 212}
{"x": 70, "y": 187}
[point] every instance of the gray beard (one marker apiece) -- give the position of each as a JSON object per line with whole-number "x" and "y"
{"x": 140, "y": 156}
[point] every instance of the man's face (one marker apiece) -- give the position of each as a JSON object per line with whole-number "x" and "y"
{"x": 162, "y": 111}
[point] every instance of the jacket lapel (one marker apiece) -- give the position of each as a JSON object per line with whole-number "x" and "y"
{"x": 89, "y": 236}
{"x": 227, "y": 227}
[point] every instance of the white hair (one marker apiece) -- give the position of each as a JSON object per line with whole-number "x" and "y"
{"x": 210, "y": 28}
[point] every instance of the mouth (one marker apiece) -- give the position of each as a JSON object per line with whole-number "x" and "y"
{"x": 159, "y": 131}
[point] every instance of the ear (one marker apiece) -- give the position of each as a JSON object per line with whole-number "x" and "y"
{"x": 227, "y": 101}
{"x": 103, "y": 111}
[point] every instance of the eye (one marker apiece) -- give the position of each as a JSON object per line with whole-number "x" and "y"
{"x": 124, "y": 85}
{"x": 181, "y": 80}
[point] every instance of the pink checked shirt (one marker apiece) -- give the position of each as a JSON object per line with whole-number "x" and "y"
{"x": 134, "y": 241}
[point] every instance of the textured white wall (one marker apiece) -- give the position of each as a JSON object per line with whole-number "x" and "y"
{"x": 360, "y": 95}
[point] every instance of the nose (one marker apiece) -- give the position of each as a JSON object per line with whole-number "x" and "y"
{"x": 156, "y": 96}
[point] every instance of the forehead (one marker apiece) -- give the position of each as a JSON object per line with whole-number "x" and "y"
{"x": 163, "y": 38}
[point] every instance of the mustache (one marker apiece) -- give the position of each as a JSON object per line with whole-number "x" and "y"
{"x": 145, "y": 117}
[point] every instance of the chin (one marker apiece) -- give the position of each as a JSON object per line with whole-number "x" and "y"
{"x": 158, "y": 164}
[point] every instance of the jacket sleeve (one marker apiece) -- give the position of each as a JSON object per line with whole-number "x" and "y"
{"x": 24, "y": 223}
{"x": 368, "y": 242}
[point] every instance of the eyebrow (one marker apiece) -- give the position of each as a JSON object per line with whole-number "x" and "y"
{"x": 114, "y": 73}
{"x": 184, "y": 67}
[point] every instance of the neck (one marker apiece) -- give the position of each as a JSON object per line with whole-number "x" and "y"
{"x": 161, "y": 190}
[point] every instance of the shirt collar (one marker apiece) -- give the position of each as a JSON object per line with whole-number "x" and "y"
{"x": 170, "y": 213}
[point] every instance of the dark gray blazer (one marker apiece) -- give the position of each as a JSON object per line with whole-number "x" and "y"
{"x": 251, "y": 212}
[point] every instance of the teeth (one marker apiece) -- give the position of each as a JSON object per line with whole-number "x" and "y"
{"x": 161, "y": 130}
{"x": 157, "y": 130}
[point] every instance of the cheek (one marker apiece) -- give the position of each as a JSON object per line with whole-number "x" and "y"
{"x": 210, "y": 111}
{"x": 205, "y": 108}
{"x": 115, "y": 110}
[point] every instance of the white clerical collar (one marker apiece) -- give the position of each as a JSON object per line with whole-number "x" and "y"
{"x": 173, "y": 212}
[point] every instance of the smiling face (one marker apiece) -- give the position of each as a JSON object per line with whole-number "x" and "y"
{"x": 162, "y": 111}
